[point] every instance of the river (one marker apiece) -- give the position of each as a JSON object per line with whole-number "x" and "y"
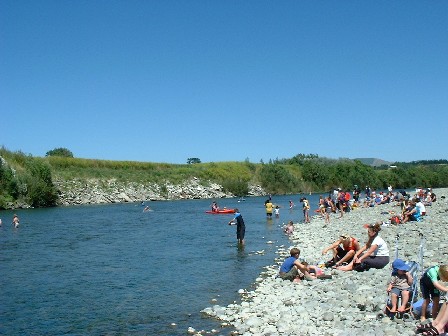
{"x": 116, "y": 270}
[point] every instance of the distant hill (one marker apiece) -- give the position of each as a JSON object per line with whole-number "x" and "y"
{"x": 373, "y": 162}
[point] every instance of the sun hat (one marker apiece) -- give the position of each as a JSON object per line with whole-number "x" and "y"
{"x": 399, "y": 264}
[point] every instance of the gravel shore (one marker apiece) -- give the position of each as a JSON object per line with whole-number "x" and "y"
{"x": 347, "y": 304}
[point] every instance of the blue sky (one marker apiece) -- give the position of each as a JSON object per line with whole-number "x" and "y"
{"x": 163, "y": 81}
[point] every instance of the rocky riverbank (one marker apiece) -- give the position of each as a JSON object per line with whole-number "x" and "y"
{"x": 96, "y": 191}
{"x": 349, "y": 303}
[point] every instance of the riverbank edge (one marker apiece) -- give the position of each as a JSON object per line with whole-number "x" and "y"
{"x": 102, "y": 191}
{"x": 277, "y": 307}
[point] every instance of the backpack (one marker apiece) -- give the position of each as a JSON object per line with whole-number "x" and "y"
{"x": 395, "y": 220}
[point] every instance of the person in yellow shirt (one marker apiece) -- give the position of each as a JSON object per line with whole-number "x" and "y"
{"x": 269, "y": 206}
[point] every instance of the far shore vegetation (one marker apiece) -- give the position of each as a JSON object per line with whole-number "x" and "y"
{"x": 30, "y": 180}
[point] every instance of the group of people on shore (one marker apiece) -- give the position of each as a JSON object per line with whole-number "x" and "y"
{"x": 412, "y": 208}
{"x": 349, "y": 255}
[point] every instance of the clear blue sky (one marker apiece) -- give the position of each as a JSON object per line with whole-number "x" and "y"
{"x": 163, "y": 81}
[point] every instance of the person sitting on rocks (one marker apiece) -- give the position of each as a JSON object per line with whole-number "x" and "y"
{"x": 433, "y": 197}
{"x": 386, "y": 198}
{"x": 378, "y": 198}
{"x": 343, "y": 249}
{"x": 420, "y": 206}
{"x": 412, "y": 213}
{"x": 290, "y": 268}
{"x": 316, "y": 272}
{"x": 368, "y": 203}
{"x": 375, "y": 254}
{"x": 428, "y": 199}
{"x": 405, "y": 206}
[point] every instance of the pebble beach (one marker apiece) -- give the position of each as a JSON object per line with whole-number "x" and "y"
{"x": 350, "y": 302}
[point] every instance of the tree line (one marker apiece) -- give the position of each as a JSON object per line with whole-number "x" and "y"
{"x": 29, "y": 180}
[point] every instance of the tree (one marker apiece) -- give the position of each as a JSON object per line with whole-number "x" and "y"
{"x": 193, "y": 160}
{"x": 277, "y": 179}
{"x": 41, "y": 191}
{"x": 312, "y": 171}
{"x": 64, "y": 152}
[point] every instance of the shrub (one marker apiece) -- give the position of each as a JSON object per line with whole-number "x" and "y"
{"x": 64, "y": 152}
{"x": 236, "y": 186}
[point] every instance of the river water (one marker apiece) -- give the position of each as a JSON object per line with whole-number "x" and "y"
{"x": 116, "y": 270}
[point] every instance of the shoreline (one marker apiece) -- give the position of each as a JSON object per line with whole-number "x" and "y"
{"x": 347, "y": 304}
{"x": 98, "y": 191}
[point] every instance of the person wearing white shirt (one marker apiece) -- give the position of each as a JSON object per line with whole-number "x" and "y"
{"x": 375, "y": 254}
{"x": 421, "y": 207}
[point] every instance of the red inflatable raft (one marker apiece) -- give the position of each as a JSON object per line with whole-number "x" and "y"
{"x": 221, "y": 211}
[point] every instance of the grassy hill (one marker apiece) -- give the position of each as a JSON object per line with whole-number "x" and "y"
{"x": 373, "y": 162}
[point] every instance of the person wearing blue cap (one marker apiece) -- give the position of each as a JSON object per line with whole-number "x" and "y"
{"x": 400, "y": 285}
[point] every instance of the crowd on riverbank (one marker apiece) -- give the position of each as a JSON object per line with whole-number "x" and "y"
{"x": 349, "y": 302}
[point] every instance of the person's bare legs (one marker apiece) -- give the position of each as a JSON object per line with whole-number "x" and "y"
{"x": 394, "y": 301}
{"x": 435, "y": 307}
{"x": 442, "y": 312}
{"x": 439, "y": 322}
{"x": 341, "y": 210}
{"x": 404, "y": 301}
{"x": 350, "y": 254}
{"x": 348, "y": 267}
{"x": 424, "y": 307}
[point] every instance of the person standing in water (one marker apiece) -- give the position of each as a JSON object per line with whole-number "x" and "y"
{"x": 269, "y": 208}
{"x": 15, "y": 220}
{"x": 277, "y": 211}
{"x": 240, "y": 226}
